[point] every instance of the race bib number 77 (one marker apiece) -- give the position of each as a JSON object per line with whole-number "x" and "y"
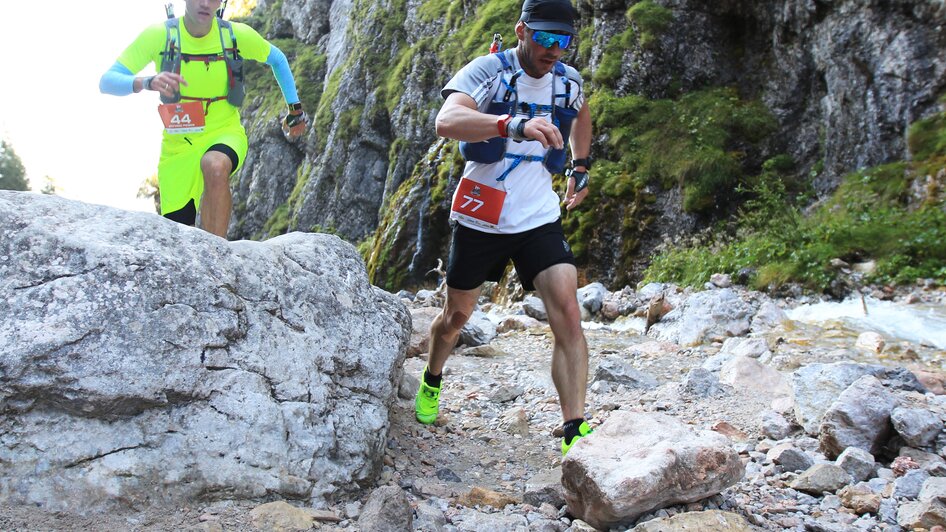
{"x": 477, "y": 203}
{"x": 180, "y": 118}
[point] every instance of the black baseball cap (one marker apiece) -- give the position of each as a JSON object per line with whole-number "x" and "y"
{"x": 549, "y": 15}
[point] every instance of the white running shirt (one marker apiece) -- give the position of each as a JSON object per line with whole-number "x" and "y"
{"x": 530, "y": 199}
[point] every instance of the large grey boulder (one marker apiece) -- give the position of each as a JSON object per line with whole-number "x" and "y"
{"x": 708, "y": 315}
{"x": 144, "y": 361}
{"x": 638, "y": 462}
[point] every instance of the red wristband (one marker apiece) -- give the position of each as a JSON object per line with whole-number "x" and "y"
{"x": 502, "y": 125}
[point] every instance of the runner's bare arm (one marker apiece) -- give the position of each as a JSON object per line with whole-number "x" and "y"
{"x": 580, "y": 139}
{"x": 460, "y": 119}
{"x": 581, "y": 147}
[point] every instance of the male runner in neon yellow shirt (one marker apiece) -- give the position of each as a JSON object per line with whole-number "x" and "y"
{"x": 195, "y": 166}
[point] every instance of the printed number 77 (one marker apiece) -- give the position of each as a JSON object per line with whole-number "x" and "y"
{"x": 469, "y": 199}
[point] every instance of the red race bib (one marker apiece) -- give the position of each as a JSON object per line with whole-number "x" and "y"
{"x": 180, "y": 118}
{"x": 478, "y": 204}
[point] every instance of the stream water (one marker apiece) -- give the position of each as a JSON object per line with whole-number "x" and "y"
{"x": 920, "y": 324}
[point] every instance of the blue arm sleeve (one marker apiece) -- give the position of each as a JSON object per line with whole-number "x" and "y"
{"x": 118, "y": 81}
{"x": 287, "y": 84}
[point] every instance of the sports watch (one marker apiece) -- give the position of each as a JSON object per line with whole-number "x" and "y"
{"x": 502, "y": 124}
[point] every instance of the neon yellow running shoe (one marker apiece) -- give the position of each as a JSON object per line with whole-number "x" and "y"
{"x": 583, "y": 430}
{"x": 427, "y": 402}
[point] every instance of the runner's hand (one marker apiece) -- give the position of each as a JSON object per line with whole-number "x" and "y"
{"x": 293, "y": 126}
{"x": 573, "y": 199}
{"x": 167, "y": 83}
{"x": 544, "y": 132}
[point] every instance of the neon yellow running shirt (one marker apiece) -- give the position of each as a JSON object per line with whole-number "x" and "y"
{"x": 204, "y": 80}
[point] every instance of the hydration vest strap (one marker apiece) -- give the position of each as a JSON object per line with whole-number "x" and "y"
{"x": 173, "y": 54}
{"x": 206, "y": 101}
{"x": 516, "y": 159}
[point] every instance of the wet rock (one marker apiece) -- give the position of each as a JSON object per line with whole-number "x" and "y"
{"x": 816, "y": 387}
{"x": 638, "y": 462}
{"x": 774, "y": 425}
{"x": 917, "y": 427}
{"x": 616, "y": 369}
{"x": 859, "y": 418}
{"x": 386, "y": 510}
{"x": 858, "y": 463}
{"x": 706, "y": 521}
{"x": 545, "y": 488}
{"x": 479, "y": 330}
{"x": 534, "y": 308}
{"x": 821, "y": 478}
{"x": 870, "y": 341}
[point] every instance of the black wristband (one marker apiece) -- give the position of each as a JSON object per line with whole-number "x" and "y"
{"x": 584, "y": 161}
{"x": 295, "y": 106}
{"x": 146, "y": 83}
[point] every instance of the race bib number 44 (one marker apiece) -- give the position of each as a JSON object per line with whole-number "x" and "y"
{"x": 180, "y": 118}
{"x": 478, "y": 204}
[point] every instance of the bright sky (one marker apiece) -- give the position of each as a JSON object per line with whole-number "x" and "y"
{"x": 97, "y": 148}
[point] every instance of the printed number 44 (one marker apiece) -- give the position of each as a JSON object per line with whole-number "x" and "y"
{"x": 471, "y": 199}
{"x": 181, "y": 119}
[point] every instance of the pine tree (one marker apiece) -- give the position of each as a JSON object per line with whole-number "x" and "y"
{"x": 12, "y": 172}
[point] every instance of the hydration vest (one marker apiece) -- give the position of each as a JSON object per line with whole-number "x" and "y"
{"x": 172, "y": 56}
{"x": 494, "y": 150}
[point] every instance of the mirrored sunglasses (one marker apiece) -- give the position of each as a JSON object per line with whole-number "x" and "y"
{"x": 547, "y": 39}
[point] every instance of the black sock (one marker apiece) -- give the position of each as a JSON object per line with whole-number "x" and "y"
{"x": 432, "y": 380}
{"x": 571, "y": 429}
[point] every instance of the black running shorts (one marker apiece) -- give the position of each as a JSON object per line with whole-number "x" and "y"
{"x": 476, "y": 256}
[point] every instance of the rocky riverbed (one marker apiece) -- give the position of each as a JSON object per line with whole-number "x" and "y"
{"x": 797, "y": 400}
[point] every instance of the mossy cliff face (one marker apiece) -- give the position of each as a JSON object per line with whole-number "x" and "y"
{"x": 689, "y": 100}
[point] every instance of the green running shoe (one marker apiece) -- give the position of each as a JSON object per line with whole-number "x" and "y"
{"x": 427, "y": 402}
{"x": 583, "y": 430}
